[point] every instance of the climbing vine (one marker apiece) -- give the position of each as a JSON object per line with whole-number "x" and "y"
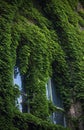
{"x": 43, "y": 39}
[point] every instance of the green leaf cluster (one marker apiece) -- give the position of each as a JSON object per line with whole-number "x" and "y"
{"x": 43, "y": 39}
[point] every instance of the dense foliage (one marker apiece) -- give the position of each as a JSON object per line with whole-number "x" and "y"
{"x": 43, "y": 39}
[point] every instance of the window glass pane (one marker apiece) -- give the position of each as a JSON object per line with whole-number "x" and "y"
{"x": 54, "y": 95}
{"x": 18, "y": 81}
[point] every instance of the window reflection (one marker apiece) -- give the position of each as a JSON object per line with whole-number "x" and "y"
{"x": 18, "y": 81}
{"x": 54, "y": 95}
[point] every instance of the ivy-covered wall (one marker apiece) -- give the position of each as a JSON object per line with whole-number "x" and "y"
{"x": 43, "y": 39}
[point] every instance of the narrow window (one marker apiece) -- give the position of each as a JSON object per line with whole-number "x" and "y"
{"x": 18, "y": 81}
{"x": 54, "y": 95}
{"x": 49, "y": 90}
